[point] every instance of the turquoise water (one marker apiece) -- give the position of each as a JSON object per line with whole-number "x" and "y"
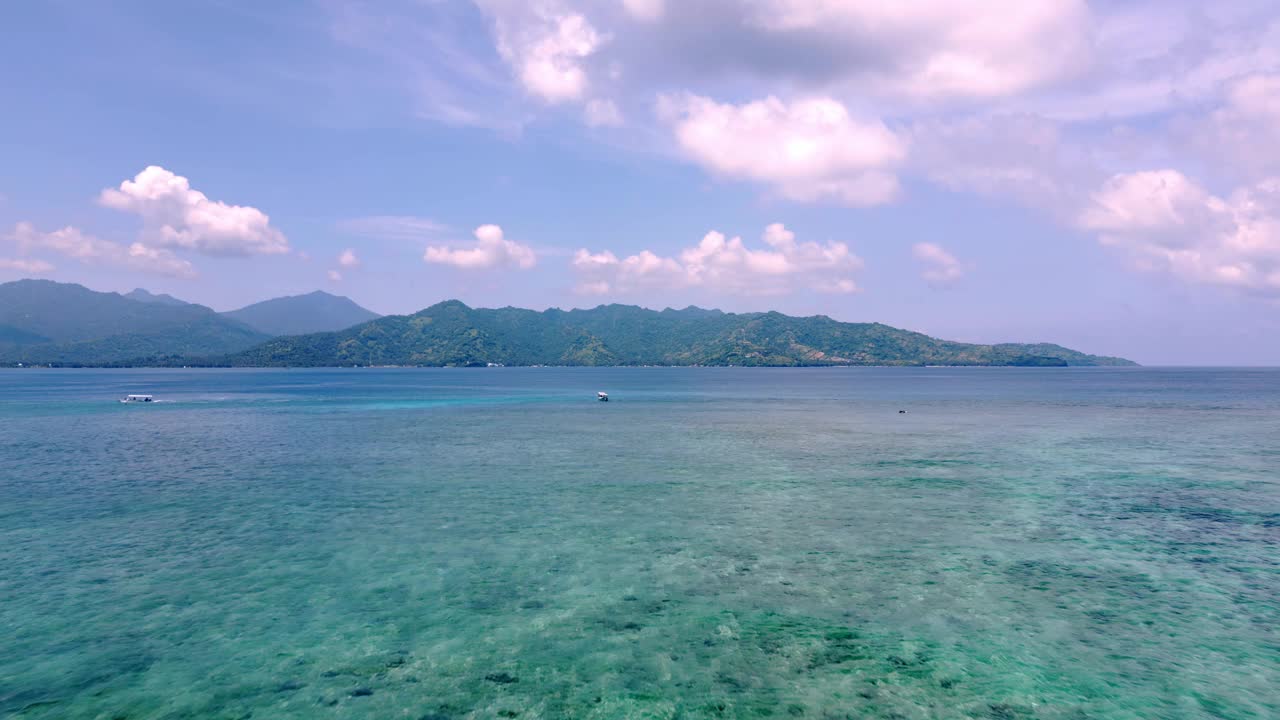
{"x": 713, "y": 543}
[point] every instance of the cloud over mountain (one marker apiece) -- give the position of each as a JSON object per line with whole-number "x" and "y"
{"x": 725, "y": 264}
{"x": 177, "y": 216}
{"x": 490, "y": 250}
{"x": 72, "y": 243}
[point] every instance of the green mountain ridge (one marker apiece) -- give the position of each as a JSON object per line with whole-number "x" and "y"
{"x": 44, "y": 322}
{"x": 452, "y": 334}
{"x": 301, "y": 314}
{"x": 49, "y": 323}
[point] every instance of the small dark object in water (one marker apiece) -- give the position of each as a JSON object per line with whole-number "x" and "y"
{"x": 361, "y": 692}
{"x": 1002, "y": 711}
{"x": 902, "y": 412}
{"x": 290, "y": 686}
{"x": 502, "y": 678}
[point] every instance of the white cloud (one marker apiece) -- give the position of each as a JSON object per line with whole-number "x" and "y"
{"x": 941, "y": 267}
{"x": 175, "y": 215}
{"x": 1241, "y": 138}
{"x": 335, "y": 276}
{"x": 645, "y": 10}
{"x": 602, "y": 113}
{"x": 942, "y": 48}
{"x": 1059, "y": 58}
{"x": 809, "y": 150}
{"x": 348, "y": 258}
{"x": 1168, "y": 223}
{"x": 33, "y": 267}
{"x": 1156, "y": 56}
{"x": 491, "y": 250}
{"x": 725, "y": 264}
{"x": 70, "y": 242}
{"x": 545, "y": 44}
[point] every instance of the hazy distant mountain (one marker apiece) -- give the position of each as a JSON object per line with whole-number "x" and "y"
{"x": 300, "y": 314}
{"x": 452, "y": 334}
{"x": 146, "y": 296}
{"x": 48, "y": 322}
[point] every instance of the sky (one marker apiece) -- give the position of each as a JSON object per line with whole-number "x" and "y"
{"x": 1104, "y": 175}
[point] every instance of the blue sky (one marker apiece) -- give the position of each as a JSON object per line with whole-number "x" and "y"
{"x": 1103, "y": 175}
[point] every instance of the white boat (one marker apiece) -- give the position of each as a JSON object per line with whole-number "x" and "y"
{"x": 137, "y": 399}
{"x": 602, "y": 396}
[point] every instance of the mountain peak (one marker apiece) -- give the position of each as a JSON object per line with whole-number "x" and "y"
{"x": 147, "y": 296}
{"x": 316, "y": 311}
{"x": 446, "y": 305}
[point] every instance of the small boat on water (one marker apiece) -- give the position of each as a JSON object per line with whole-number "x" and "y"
{"x": 602, "y": 396}
{"x": 137, "y": 399}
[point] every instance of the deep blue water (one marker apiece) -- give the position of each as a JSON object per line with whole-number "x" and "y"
{"x": 736, "y": 543}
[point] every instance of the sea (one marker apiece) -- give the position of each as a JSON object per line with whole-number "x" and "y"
{"x": 440, "y": 544}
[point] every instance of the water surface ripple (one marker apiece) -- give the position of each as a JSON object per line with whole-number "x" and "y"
{"x": 712, "y": 543}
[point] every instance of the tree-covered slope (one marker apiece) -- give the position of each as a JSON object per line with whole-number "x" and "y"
{"x": 47, "y": 322}
{"x": 301, "y": 314}
{"x": 452, "y": 334}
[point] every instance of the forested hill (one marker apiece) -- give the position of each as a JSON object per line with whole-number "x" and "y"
{"x": 44, "y": 322}
{"x": 453, "y": 334}
{"x": 298, "y": 314}
{"x": 50, "y": 323}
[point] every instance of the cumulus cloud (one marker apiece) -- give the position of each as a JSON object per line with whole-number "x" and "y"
{"x": 335, "y": 276}
{"x": 940, "y": 266}
{"x": 602, "y": 113}
{"x": 1166, "y": 222}
{"x": 70, "y": 242}
{"x": 24, "y": 265}
{"x": 725, "y": 264}
{"x": 809, "y": 150}
{"x": 545, "y": 43}
{"x": 491, "y": 250}
{"x": 348, "y": 258}
{"x": 175, "y": 215}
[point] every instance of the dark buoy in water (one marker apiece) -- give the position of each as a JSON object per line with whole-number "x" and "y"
{"x": 902, "y": 412}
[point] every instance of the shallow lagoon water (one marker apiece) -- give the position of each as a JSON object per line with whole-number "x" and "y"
{"x": 712, "y": 543}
